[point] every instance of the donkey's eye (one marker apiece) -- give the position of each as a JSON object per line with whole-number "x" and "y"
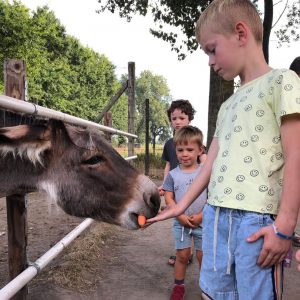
{"x": 93, "y": 160}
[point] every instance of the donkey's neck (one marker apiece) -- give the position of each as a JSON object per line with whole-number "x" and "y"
{"x": 18, "y": 174}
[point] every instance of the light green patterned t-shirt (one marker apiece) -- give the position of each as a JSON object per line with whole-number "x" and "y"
{"x": 247, "y": 173}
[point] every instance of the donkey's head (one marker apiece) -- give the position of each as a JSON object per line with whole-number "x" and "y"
{"x": 78, "y": 169}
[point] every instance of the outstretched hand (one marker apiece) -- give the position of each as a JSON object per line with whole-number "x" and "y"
{"x": 274, "y": 248}
{"x": 167, "y": 213}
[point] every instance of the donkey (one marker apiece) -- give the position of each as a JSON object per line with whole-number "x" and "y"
{"x": 78, "y": 169}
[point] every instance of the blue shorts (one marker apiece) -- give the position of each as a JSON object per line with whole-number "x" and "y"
{"x": 183, "y": 236}
{"x": 229, "y": 269}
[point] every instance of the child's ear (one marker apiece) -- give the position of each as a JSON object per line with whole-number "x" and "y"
{"x": 201, "y": 151}
{"x": 242, "y": 31}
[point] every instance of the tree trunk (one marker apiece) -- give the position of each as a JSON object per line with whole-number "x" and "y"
{"x": 153, "y": 142}
{"x": 267, "y": 23}
{"x": 219, "y": 91}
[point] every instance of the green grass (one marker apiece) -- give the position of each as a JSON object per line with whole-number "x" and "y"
{"x": 140, "y": 150}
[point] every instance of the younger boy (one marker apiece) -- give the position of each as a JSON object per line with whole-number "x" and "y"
{"x": 187, "y": 226}
{"x": 253, "y": 164}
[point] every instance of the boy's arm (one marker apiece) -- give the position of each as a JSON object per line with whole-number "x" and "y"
{"x": 183, "y": 219}
{"x": 199, "y": 184}
{"x": 169, "y": 198}
{"x": 166, "y": 172}
{"x": 167, "y": 169}
{"x": 275, "y": 248}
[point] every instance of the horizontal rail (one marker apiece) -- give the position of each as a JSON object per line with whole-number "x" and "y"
{"x": 14, "y": 105}
{"x": 130, "y": 157}
{"x": 29, "y": 273}
{"x": 34, "y": 268}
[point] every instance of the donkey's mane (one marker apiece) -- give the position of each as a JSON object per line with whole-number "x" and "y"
{"x": 29, "y": 151}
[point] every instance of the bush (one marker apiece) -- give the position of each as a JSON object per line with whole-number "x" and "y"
{"x": 156, "y": 168}
{"x": 155, "y": 161}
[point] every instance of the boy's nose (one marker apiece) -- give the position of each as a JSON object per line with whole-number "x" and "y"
{"x": 211, "y": 61}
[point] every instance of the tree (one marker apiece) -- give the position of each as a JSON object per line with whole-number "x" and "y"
{"x": 182, "y": 15}
{"x": 154, "y": 88}
{"x": 62, "y": 74}
{"x": 289, "y": 31}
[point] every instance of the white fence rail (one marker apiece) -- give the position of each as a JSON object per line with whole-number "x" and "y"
{"x": 18, "y": 106}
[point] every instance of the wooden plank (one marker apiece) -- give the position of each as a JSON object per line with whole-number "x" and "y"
{"x": 14, "y": 82}
{"x": 111, "y": 102}
{"x": 131, "y": 105}
{"x": 147, "y": 139}
{"x": 108, "y": 122}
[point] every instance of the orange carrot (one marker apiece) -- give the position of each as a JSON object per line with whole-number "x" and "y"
{"x": 141, "y": 220}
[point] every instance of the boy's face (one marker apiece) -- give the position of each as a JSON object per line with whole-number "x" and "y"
{"x": 179, "y": 119}
{"x": 223, "y": 52}
{"x": 187, "y": 154}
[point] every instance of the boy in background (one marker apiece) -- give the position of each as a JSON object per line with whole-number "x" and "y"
{"x": 253, "y": 164}
{"x": 187, "y": 226}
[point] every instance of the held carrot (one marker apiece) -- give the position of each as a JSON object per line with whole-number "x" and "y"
{"x": 141, "y": 220}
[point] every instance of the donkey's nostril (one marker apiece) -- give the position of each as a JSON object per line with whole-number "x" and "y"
{"x": 150, "y": 194}
{"x": 155, "y": 202}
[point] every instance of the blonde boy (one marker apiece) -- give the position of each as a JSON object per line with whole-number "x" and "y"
{"x": 253, "y": 164}
{"x": 186, "y": 227}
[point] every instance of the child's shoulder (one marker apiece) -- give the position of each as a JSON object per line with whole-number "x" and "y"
{"x": 278, "y": 75}
{"x": 169, "y": 141}
{"x": 282, "y": 79}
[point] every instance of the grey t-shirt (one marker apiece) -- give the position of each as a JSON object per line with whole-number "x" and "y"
{"x": 178, "y": 182}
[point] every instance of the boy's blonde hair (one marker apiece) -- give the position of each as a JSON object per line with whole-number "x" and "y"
{"x": 223, "y": 15}
{"x": 188, "y": 134}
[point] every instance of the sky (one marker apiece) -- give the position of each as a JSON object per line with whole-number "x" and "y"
{"x": 124, "y": 42}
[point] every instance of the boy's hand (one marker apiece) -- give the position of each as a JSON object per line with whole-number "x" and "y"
{"x": 196, "y": 220}
{"x": 168, "y": 212}
{"x": 161, "y": 191}
{"x": 274, "y": 249}
{"x": 185, "y": 221}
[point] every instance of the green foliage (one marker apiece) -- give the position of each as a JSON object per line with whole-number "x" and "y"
{"x": 166, "y": 14}
{"x": 156, "y": 161}
{"x": 175, "y": 19}
{"x": 288, "y": 32}
{"x": 122, "y": 140}
{"x": 61, "y": 73}
{"x": 154, "y": 88}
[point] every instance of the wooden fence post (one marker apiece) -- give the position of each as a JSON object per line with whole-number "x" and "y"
{"x": 108, "y": 122}
{"x": 14, "y": 82}
{"x": 131, "y": 106}
{"x": 147, "y": 158}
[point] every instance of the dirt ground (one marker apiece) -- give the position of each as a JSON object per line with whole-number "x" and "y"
{"x": 118, "y": 264}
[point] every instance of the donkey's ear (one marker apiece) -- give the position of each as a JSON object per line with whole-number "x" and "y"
{"x": 23, "y": 134}
{"x": 59, "y": 133}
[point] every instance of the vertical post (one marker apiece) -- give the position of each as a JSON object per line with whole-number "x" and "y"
{"x": 131, "y": 106}
{"x": 147, "y": 158}
{"x": 14, "y": 82}
{"x": 108, "y": 122}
